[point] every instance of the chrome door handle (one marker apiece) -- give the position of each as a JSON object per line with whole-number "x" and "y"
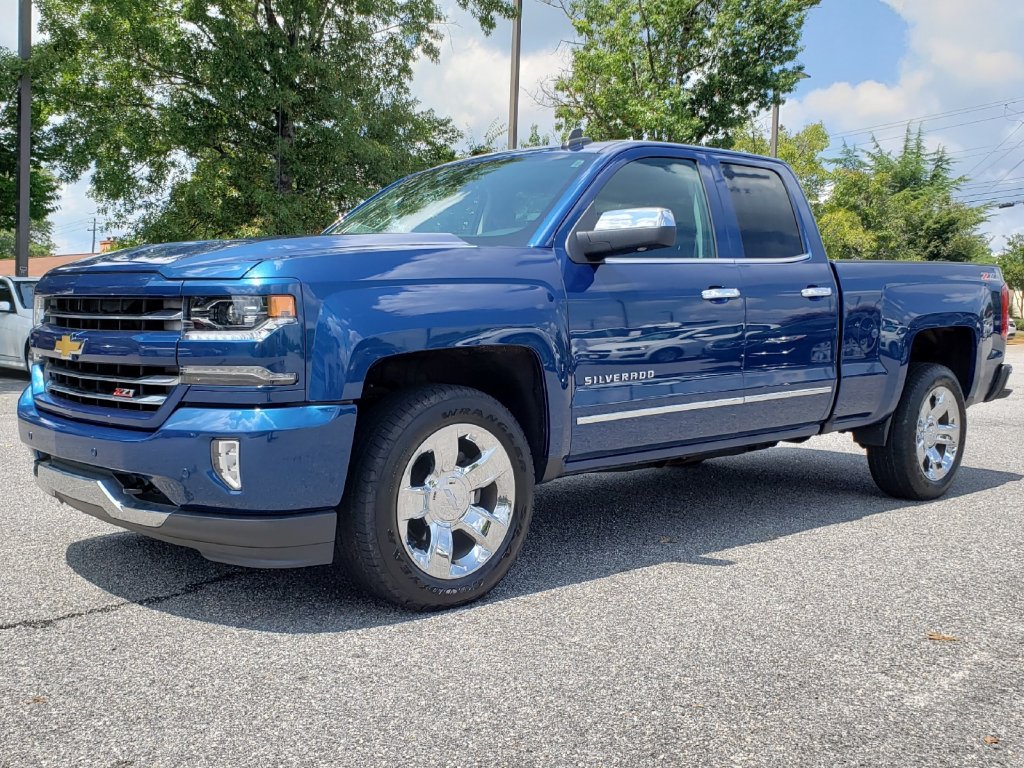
{"x": 715, "y": 294}
{"x": 816, "y": 292}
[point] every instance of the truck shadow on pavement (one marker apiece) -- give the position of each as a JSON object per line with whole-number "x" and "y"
{"x": 584, "y": 528}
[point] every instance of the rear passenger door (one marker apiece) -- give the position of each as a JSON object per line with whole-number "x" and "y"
{"x": 791, "y": 334}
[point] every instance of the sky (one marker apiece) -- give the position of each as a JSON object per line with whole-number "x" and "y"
{"x": 954, "y": 67}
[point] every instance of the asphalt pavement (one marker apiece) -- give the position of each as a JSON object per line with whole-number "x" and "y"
{"x": 772, "y": 609}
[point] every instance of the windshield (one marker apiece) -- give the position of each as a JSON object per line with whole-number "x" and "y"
{"x": 496, "y": 201}
{"x": 25, "y": 292}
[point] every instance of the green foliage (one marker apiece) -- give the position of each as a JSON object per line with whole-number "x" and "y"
{"x": 44, "y": 189}
{"x": 900, "y": 206}
{"x": 496, "y": 130}
{"x": 677, "y": 70}
{"x": 1011, "y": 263}
{"x": 217, "y": 118}
{"x": 40, "y": 240}
{"x": 803, "y": 151}
{"x": 536, "y": 138}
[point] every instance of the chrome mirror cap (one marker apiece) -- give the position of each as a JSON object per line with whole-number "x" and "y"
{"x": 635, "y": 218}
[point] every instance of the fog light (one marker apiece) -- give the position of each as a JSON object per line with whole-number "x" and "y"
{"x": 227, "y": 462}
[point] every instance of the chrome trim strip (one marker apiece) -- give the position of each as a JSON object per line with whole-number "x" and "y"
{"x": 658, "y": 411}
{"x": 706, "y": 260}
{"x": 152, "y": 381}
{"x": 160, "y": 314}
{"x": 98, "y": 490}
{"x": 235, "y": 376}
{"x": 75, "y": 392}
{"x": 787, "y": 394}
{"x": 700, "y": 405}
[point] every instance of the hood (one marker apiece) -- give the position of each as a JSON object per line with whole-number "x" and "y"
{"x": 234, "y": 258}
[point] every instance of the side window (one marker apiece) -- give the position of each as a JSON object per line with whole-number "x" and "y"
{"x": 5, "y": 294}
{"x": 661, "y": 183}
{"x": 764, "y": 212}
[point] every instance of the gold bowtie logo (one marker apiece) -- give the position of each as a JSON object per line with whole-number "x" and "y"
{"x": 67, "y": 347}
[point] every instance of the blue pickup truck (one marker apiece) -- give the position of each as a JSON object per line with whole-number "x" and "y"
{"x": 386, "y": 395}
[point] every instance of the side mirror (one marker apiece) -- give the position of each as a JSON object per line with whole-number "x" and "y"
{"x": 629, "y": 229}
{"x": 5, "y": 306}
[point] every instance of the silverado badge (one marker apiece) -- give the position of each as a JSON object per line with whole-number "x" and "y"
{"x": 67, "y": 347}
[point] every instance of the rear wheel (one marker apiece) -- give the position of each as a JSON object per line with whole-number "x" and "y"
{"x": 439, "y": 497}
{"x": 926, "y": 440}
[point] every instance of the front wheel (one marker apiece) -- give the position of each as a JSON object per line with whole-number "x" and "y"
{"x": 926, "y": 440}
{"x": 439, "y": 497}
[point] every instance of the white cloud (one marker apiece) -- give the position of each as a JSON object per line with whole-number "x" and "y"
{"x": 960, "y": 54}
{"x": 470, "y": 84}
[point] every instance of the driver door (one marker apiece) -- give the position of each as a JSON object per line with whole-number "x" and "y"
{"x": 657, "y": 334}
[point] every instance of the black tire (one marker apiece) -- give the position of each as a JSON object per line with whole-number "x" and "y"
{"x": 368, "y": 544}
{"x": 895, "y": 466}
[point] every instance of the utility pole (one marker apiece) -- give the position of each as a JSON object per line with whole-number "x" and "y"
{"x": 513, "y": 94}
{"x": 21, "y": 237}
{"x": 774, "y": 147}
{"x": 93, "y": 230}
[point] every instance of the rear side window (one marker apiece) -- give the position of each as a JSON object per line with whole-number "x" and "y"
{"x": 764, "y": 212}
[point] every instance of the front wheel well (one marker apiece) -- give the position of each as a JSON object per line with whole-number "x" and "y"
{"x": 510, "y": 374}
{"x": 951, "y": 347}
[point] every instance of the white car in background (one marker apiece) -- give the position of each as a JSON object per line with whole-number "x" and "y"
{"x": 1011, "y": 329}
{"x": 15, "y": 320}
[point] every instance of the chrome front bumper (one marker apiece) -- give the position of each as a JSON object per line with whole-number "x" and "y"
{"x": 253, "y": 540}
{"x": 80, "y": 487}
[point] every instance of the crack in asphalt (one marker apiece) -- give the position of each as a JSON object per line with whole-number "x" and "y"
{"x": 143, "y": 602}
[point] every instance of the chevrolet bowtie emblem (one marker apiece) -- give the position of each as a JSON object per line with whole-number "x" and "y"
{"x": 67, "y": 347}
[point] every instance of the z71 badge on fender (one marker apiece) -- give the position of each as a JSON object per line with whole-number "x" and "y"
{"x": 615, "y": 378}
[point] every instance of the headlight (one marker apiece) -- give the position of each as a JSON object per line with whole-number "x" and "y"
{"x": 237, "y": 318}
{"x": 38, "y": 310}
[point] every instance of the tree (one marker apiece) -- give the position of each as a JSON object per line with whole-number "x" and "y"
{"x": 1011, "y": 263}
{"x": 900, "y": 206}
{"x": 536, "y": 138}
{"x": 44, "y": 189}
{"x": 40, "y": 240}
{"x": 215, "y": 118}
{"x": 677, "y": 70}
{"x": 803, "y": 150}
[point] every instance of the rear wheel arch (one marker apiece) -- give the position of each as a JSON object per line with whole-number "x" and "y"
{"x": 954, "y": 347}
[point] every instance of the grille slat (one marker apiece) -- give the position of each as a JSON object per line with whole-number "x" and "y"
{"x": 125, "y": 313}
{"x": 139, "y": 387}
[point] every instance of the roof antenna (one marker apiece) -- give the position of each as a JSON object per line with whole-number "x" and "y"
{"x": 576, "y": 139}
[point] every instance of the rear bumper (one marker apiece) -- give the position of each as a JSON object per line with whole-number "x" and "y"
{"x": 279, "y": 541}
{"x": 998, "y": 389}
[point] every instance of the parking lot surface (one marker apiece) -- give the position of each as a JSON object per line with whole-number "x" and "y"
{"x": 772, "y": 609}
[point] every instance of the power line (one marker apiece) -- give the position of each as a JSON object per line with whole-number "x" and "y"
{"x": 936, "y": 115}
{"x": 900, "y": 137}
{"x": 983, "y": 160}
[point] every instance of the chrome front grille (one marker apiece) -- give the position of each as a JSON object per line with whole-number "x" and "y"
{"x": 110, "y": 385}
{"x": 117, "y": 313}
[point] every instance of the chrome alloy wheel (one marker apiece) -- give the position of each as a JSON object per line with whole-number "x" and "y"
{"x": 455, "y": 502}
{"x": 938, "y": 433}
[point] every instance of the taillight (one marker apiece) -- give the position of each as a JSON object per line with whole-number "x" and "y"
{"x": 1004, "y": 318}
